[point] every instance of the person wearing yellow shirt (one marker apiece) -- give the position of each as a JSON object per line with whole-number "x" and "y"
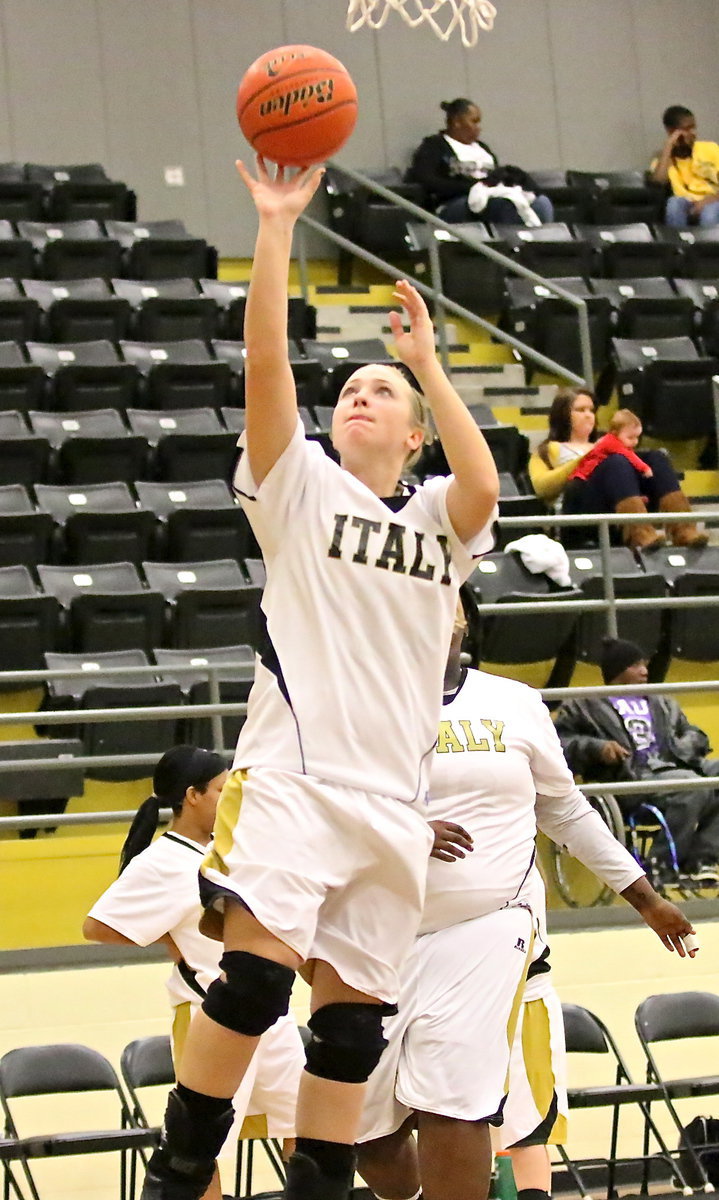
{"x": 691, "y": 168}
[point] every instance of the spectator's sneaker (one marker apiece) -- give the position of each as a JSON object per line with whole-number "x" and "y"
{"x": 704, "y": 878}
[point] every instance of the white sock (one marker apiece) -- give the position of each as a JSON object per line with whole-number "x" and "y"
{"x": 415, "y": 1197}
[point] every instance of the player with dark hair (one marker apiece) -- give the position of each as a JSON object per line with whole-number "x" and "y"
{"x": 156, "y": 899}
{"x": 318, "y": 855}
{"x": 498, "y": 774}
{"x": 691, "y": 168}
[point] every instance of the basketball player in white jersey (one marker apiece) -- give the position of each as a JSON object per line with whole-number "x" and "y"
{"x": 318, "y": 854}
{"x": 156, "y": 898}
{"x": 498, "y": 773}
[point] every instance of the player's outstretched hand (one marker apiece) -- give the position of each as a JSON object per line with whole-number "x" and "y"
{"x": 668, "y": 922}
{"x": 284, "y": 194}
{"x": 415, "y": 346}
{"x": 450, "y": 841}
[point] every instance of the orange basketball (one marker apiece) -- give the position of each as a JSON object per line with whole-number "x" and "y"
{"x": 297, "y": 105}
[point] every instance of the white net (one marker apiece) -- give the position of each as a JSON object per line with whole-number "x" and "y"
{"x": 443, "y": 16}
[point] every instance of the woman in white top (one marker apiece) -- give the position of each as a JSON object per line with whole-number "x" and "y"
{"x": 318, "y": 856}
{"x": 156, "y": 899}
{"x": 462, "y": 179}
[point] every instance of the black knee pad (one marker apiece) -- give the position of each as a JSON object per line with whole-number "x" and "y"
{"x": 194, "y": 1131}
{"x": 347, "y": 1041}
{"x": 254, "y": 994}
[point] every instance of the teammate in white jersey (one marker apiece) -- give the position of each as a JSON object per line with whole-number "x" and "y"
{"x": 156, "y": 899}
{"x": 498, "y": 773}
{"x": 326, "y": 861}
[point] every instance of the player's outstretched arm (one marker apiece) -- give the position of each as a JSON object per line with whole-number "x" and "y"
{"x": 270, "y": 396}
{"x": 473, "y": 493}
{"x": 668, "y": 922}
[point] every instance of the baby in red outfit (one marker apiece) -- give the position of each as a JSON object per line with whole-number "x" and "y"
{"x": 625, "y": 430}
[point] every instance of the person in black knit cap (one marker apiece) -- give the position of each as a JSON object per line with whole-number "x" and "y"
{"x": 613, "y": 738}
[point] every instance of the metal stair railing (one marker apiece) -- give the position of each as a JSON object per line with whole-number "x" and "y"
{"x": 442, "y": 303}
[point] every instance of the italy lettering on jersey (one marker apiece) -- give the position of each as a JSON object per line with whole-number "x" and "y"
{"x": 359, "y": 606}
{"x": 496, "y": 749}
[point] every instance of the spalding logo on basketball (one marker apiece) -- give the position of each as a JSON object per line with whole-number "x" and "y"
{"x": 297, "y": 105}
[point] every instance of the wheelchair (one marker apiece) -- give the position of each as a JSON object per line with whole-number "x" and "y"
{"x": 638, "y": 830}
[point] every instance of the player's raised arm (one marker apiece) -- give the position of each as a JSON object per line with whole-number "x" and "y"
{"x": 270, "y": 396}
{"x": 475, "y": 488}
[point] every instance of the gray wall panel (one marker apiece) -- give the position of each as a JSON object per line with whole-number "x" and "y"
{"x": 511, "y": 79}
{"x": 677, "y": 64}
{"x": 152, "y": 98}
{"x": 55, "y": 98}
{"x": 595, "y": 69}
{"x": 144, "y": 84}
{"x": 228, "y": 36}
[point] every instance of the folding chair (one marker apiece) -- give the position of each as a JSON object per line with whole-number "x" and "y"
{"x": 673, "y": 1017}
{"x": 34, "y": 1071}
{"x": 585, "y": 1033}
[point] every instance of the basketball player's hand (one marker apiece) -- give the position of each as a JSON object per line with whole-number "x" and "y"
{"x": 450, "y": 841}
{"x": 284, "y": 194}
{"x": 667, "y": 921}
{"x": 613, "y": 752}
{"x": 415, "y": 347}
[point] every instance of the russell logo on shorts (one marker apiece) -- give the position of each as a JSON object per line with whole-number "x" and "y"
{"x": 520, "y": 945}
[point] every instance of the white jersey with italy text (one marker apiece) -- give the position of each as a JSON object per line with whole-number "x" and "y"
{"x": 158, "y": 893}
{"x": 499, "y": 771}
{"x": 359, "y": 605}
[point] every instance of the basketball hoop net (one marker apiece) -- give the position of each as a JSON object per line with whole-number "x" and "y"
{"x": 443, "y": 16}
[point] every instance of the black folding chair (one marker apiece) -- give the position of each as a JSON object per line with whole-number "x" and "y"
{"x": 585, "y": 1033}
{"x": 33, "y": 1071}
{"x": 673, "y": 1017}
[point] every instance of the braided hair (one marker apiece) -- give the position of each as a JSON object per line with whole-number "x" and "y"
{"x": 178, "y": 769}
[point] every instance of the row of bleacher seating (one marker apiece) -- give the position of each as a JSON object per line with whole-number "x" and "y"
{"x": 118, "y": 606}
{"x": 558, "y": 250}
{"x": 40, "y": 191}
{"x": 107, "y": 522}
{"x": 80, "y": 249}
{"x": 178, "y": 373}
{"x": 75, "y": 310}
{"x": 561, "y": 639}
{"x": 89, "y": 608}
{"x": 98, "y": 445}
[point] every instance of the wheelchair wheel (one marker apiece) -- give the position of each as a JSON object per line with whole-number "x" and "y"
{"x": 577, "y": 886}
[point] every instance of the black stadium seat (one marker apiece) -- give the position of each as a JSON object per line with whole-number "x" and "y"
{"x": 188, "y": 443}
{"x": 211, "y": 602}
{"x": 627, "y": 251}
{"x": 619, "y": 197}
{"x": 29, "y": 621}
{"x": 97, "y": 523}
{"x": 647, "y": 308}
{"x": 552, "y": 249}
{"x": 25, "y": 456}
{"x": 234, "y": 686}
{"x": 85, "y": 375}
{"x": 161, "y": 250}
{"x": 17, "y": 257}
{"x": 468, "y": 278}
{"x": 551, "y": 324}
{"x": 106, "y": 607}
{"x": 91, "y": 447}
{"x": 25, "y": 533}
{"x": 166, "y": 310}
{"x": 22, "y": 385}
{"x": 179, "y": 374}
{"x": 78, "y": 310}
{"x": 19, "y": 312}
{"x": 199, "y": 520}
{"x": 71, "y": 250}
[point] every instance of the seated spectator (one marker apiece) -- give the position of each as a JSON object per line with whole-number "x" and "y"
{"x": 608, "y": 739}
{"x": 622, "y": 437}
{"x": 691, "y": 169}
{"x": 614, "y": 484}
{"x": 463, "y": 180}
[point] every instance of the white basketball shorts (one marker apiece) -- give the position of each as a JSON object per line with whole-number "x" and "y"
{"x": 536, "y": 1110}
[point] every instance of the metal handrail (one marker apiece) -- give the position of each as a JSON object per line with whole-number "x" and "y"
{"x": 444, "y": 303}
